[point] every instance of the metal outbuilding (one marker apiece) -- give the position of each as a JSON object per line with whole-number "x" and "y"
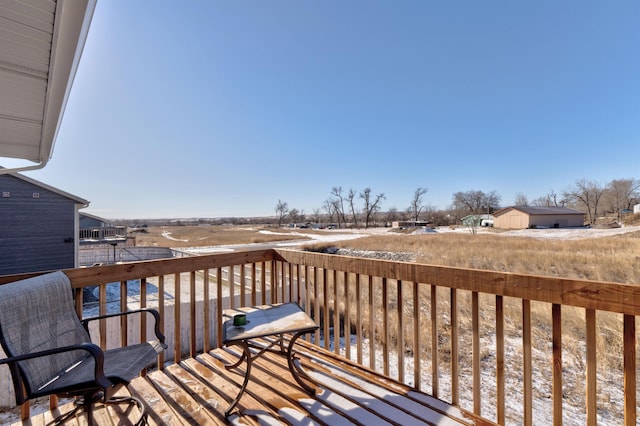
{"x": 522, "y": 217}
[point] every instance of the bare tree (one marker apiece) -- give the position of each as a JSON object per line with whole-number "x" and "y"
{"x": 296, "y": 216}
{"x": 352, "y": 205}
{"x": 392, "y": 215}
{"x": 521, "y": 200}
{"x": 416, "y": 203}
{"x": 371, "y": 206}
{"x": 282, "y": 209}
{"x": 476, "y": 202}
{"x": 316, "y": 215}
{"x": 622, "y": 194}
{"x": 330, "y": 207}
{"x": 586, "y": 194}
{"x": 549, "y": 200}
{"x": 338, "y": 204}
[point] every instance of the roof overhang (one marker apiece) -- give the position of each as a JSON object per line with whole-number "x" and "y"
{"x": 41, "y": 42}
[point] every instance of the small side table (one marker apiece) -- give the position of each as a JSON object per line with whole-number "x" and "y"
{"x": 267, "y": 321}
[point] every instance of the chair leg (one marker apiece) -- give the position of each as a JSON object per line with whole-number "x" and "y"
{"x": 142, "y": 420}
{"x": 86, "y": 403}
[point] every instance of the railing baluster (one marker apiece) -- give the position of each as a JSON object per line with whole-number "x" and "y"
{"x": 359, "y": 324}
{"x": 455, "y": 376}
{"x": 298, "y": 284}
{"x": 243, "y": 290}
{"x": 290, "y": 283}
{"x": 590, "y": 320}
{"x": 161, "y": 311}
{"x": 385, "y": 327}
{"x": 500, "y": 379}
{"x": 231, "y": 285}
{"x": 307, "y": 300}
{"x": 273, "y": 272}
{"x": 400, "y": 343}
{"x": 556, "y": 320}
{"x": 192, "y": 314}
{"x": 280, "y": 275}
{"x": 177, "y": 348}
{"x": 372, "y": 325}
{"x": 124, "y": 325}
{"x": 417, "y": 359}
{"x": 263, "y": 282}
{"x": 325, "y": 305}
{"x": 435, "y": 381}
{"x": 336, "y": 314}
{"x": 629, "y": 370}
{"x": 316, "y": 303}
{"x": 206, "y": 314}
{"x": 253, "y": 284}
{"x": 475, "y": 325}
{"x": 143, "y": 305}
{"x": 103, "y": 311}
{"x": 526, "y": 359}
{"x": 347, "y": 316}
{"x": 219, "y": 306}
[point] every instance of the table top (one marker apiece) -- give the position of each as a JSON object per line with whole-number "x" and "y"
{"x": 266, "y": 320}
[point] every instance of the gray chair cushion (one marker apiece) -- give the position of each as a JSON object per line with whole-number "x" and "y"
{"x": 121, "y": 365}
{"x": 38, "y": 314}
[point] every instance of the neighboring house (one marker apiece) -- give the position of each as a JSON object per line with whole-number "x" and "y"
{"x": 484, "y": 220}
{"x": 94, "y": 229}
{"x": 636, "y": 208}
{"x": 518, "y": 217}
{"x": 39, "y": 226}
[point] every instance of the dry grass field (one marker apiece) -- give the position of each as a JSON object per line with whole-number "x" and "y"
{"x": 609, "y": 258}
{"x": 206, "y": 235}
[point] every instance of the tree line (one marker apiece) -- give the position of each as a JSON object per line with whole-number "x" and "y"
{"x": 363, "y": 208}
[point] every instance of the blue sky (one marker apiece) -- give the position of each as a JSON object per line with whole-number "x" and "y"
{"x": 222, "y": 108}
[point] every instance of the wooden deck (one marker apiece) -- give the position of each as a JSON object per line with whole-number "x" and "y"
{"x": 198, "y": 390}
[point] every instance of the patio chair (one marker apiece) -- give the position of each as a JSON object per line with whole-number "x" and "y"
{"x": 49, "y": 351}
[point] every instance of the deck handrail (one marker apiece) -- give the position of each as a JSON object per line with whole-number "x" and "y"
{"x": 399, "y": 308}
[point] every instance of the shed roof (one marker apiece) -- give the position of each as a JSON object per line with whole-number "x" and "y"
{"x": 40, "y": 46}
{"x": 530, "y": 210}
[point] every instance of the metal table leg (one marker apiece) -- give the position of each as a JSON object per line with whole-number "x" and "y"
{"x": 245, "y": 355}
{"x": 296, "y": 371}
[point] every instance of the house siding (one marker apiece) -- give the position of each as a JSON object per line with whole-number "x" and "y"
{"x": 36, "y": 233}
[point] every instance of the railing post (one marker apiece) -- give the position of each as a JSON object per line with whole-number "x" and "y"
{"x": 556, "y": 314}
{"x": 629, "y": 370}
{"x": 527, "y": 370}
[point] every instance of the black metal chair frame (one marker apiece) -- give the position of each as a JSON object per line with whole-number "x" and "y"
{"x": 88, "y": 373}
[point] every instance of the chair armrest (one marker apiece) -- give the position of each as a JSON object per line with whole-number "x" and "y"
{"x": 93, "y": 350}
{"x": 154, "y": 312}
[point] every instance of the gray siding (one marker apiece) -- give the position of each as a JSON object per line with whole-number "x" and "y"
{"x": 36, "y": 233}
{"x": 89, "y": 222}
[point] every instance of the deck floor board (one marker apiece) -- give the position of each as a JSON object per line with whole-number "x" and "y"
{"x": 198, "y": 391}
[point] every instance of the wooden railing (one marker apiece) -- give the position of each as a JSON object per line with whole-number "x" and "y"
{"x": 510, "y": 347}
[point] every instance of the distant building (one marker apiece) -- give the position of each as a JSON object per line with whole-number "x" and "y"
{"x": 39, "y": 226}
{"x": 522, "y": 217}
{"x": 484, "y": 220}
{"x": 410, "y": 223}
{"x": 636, "y": 208}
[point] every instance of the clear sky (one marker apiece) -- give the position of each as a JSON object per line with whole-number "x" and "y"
{"x": 222, "y": 108}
